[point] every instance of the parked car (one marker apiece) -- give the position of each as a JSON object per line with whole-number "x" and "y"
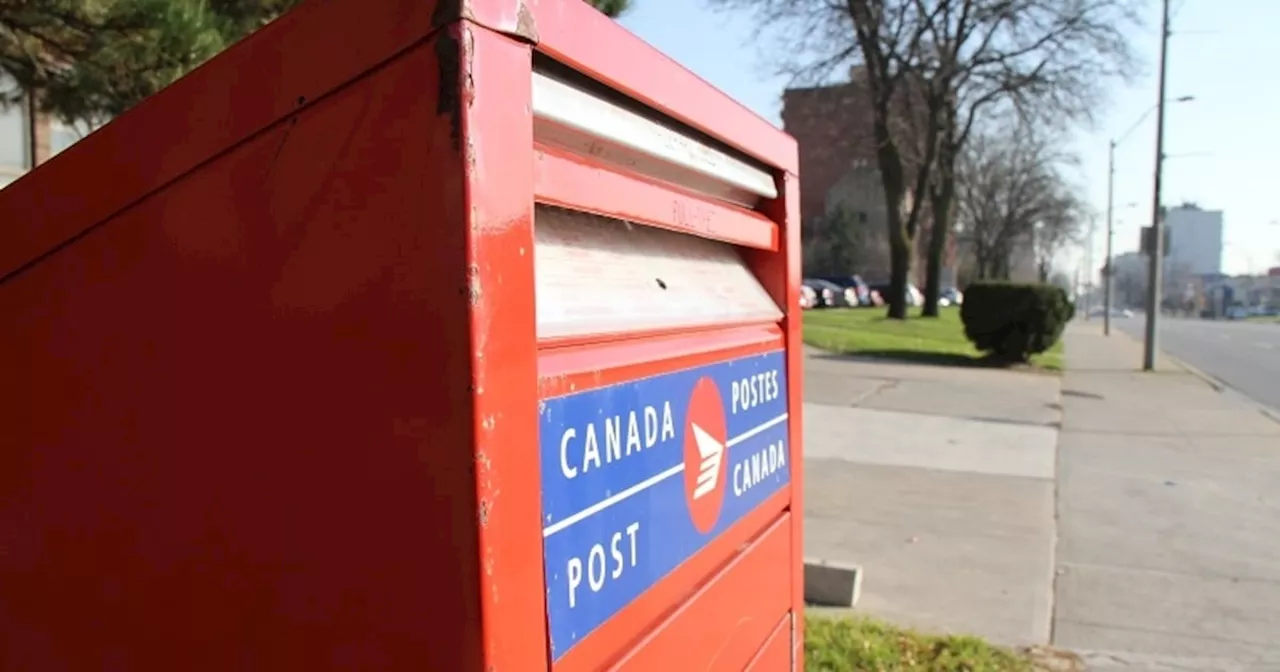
{"x": 1115, "y": 312}
{"x": 809, "y": 297}
{"x": 853, "y": 282}
{"x": 950, "y": 297}
{"x": 914, "y": 296}
{"x": 831, "y": 294}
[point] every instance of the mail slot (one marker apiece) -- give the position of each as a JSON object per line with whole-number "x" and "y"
{"x": 468, "y": 341}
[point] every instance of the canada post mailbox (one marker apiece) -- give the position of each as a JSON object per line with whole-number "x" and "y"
{"x": 407, "y": 335}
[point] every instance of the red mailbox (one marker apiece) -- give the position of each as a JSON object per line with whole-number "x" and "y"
{"x": 404, "y": 334}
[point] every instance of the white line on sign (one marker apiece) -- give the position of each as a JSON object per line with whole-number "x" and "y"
{"x": 610, "y": 501}
{"x": 753, "y": 431}
{"x": 649, "y": 482}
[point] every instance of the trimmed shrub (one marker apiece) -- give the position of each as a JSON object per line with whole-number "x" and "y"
{"x": 1014, "y": 320}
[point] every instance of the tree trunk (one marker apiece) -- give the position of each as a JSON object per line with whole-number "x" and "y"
{"x": 941, "y": 200}
{"x": 30, "y": 101}
{"x": 941, "y": 194}
{"x": 901, "y": 228}
{"x": 1002, "y": 267}
{"x": 899, "y": 269}
{"x": 981, "y": 265}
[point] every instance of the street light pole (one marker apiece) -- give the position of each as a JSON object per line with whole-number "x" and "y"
{"x": 1111, "y": 183}
{"x": 1088, "y": 268}
{"x": 1107, "y": 271}
{"x": 1156, "y": 239}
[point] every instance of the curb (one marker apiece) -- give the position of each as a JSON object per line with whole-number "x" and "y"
{"x": 832, "y": 584}
{"x": 1211, "y": 381}
{"x": 1220, "y": 386}
{"x": 1223, "y": 387}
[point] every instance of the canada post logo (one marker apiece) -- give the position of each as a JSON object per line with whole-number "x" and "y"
{"x": 704, "y": 463}
{"x": 637, "y": 477}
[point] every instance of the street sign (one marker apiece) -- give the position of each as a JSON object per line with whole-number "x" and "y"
{"x": 1145, "y": 245}
{"x": 638, "y": 477}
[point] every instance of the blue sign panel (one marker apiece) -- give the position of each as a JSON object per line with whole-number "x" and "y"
{"x": 637, "y": 477}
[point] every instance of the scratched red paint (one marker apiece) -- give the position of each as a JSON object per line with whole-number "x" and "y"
{"x": 272, "y": 347}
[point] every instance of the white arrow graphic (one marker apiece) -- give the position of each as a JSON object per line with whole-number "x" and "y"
{"x": 712, "y": 451}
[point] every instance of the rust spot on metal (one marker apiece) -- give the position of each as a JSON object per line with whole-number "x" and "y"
{"x": 468, "y": 52}
{"x": 483, "y": 459}
{"x": 474, "y": 291}
{"x": 484, "y": 512}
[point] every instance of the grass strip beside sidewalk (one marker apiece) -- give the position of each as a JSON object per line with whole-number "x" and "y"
{"x": 849, "y": 644}
{"x": 868, "y": 333}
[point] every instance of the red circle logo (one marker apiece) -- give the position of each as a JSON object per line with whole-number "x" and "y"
{"x": 705, "y": 459}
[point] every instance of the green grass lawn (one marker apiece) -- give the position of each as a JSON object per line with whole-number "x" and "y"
{"x": 866, "y": 332}
{"x": 1267, "y": 319}
{"x": 849, "y": 644}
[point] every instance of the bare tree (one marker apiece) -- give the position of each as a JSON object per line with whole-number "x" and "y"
{"x": 1045, "y": 59}
{"x": 1061, "y": 220}
{"x": 936, "y": 67}
{"x": 1010, "y": 192}
{"x": 884, "y": 38}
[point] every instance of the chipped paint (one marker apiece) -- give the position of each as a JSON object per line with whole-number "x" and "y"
{"x": 475, "y": 291}
{"x": 526, "y": 27}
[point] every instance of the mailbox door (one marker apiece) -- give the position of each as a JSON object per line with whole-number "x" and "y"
{"x": 668, "y": 416}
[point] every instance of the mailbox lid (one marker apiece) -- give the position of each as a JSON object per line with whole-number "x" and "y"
{"x": 573, "y": 113}
{"x": 597, "y": 276}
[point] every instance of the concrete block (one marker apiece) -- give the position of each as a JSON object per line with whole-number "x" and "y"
{"x": 832, "y": 584}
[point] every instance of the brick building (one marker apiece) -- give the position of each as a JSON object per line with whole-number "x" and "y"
{"x": 832, "y": 126}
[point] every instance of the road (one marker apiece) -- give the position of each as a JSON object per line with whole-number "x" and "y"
{"x": 1244, "y": 355}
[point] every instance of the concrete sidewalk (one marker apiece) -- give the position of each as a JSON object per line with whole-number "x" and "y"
{"x": 1169, "y": 517}
{"x": 938, "y": 481}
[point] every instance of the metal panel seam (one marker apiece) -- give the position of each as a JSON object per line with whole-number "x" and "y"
{"x": 249, "y": 136}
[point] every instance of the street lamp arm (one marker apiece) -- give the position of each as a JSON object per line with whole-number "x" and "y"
{"x": 1134, "y": 127}
{"x": 1136, "y": 124}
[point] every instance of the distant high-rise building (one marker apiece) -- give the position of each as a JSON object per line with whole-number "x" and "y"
{"x": 1195, "y": 240}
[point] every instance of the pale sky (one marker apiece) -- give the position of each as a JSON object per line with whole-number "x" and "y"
{"x": 1225, "y": 57}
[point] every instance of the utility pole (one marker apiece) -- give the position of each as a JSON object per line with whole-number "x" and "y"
{"x": 1088, "y": 269}
{"x": 1156, "y": 239}
{"x": 1107, "y": 271}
